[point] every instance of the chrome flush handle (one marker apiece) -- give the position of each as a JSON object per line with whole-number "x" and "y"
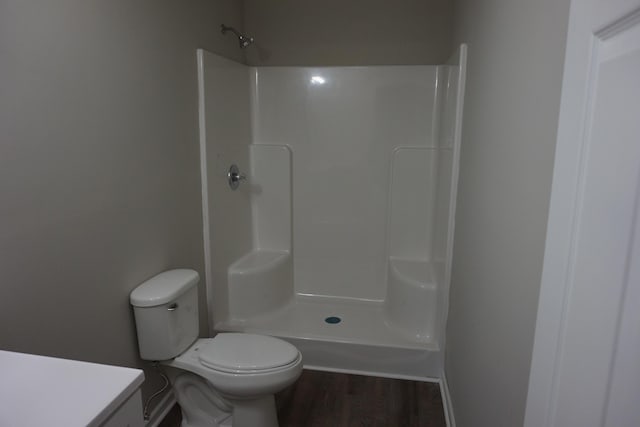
{"x": 234, "y": 177}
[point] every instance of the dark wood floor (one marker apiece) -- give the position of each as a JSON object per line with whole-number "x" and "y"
{"x": 325, "y": 399}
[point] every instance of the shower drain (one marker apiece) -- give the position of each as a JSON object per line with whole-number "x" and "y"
{"x": 333, "y": 320}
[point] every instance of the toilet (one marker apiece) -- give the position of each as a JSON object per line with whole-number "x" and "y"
{"x": 226, "y": 381}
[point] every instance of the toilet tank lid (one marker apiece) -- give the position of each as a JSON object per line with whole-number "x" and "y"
{"x": 163, "y": 288}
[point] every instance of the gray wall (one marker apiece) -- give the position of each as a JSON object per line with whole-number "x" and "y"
{"x": 354, "y": 32}
{"x": 99, "y": 164}
{"x": 516, "y": 52}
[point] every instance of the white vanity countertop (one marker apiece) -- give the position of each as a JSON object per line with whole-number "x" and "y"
{"x": 47, "y": 391}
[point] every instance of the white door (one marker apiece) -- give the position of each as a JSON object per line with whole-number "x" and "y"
{"x": 586, "y": 359}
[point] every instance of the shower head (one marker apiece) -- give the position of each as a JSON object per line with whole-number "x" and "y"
{"x": 244, "y": 40}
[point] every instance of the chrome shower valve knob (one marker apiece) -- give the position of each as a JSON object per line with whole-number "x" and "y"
{"x": 234, "y": 177}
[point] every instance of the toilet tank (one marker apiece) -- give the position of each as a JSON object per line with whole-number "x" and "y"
{"x": 166, "y": 313}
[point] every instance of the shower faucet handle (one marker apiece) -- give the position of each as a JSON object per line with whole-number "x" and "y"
{"x": 234, "y": 177}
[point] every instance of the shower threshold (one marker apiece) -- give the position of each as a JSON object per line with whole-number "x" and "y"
{"x": 332, "y": 319}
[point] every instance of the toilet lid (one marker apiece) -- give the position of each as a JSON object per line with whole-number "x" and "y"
{"x": 231, "y": 352}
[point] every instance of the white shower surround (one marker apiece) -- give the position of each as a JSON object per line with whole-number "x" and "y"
{"x": 347, "y": 210}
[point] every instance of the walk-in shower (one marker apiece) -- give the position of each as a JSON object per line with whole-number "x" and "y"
{"x": 328, "y": 200}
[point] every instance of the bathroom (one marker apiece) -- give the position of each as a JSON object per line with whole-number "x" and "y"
{"x": 100, "y": 176}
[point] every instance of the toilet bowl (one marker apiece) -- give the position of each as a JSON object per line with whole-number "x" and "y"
{"x": 246, "y": 370}
{"x": 200, "y": 403}
{"x": 226, "y": 381}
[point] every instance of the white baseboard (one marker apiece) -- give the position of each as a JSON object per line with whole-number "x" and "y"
{"x": 446, "y": 402}
{"x": 161, "y": 409}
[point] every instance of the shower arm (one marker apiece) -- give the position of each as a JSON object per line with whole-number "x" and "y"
{"x": 244, "y": 40}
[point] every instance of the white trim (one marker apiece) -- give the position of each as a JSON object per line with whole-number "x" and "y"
{"x": 557, "y": 275}
{"x": 161, "y": 410}
{"x": 561, "y": 225}
{"x": 462, "y": 79}
{"x": 446, "y": 402}
{"x": 453, "y": 193}
{"x": 579, "y": 79}
{"x": 204, "y": 186}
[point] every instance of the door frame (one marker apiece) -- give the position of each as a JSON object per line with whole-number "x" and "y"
{"x": 566, "y": 195}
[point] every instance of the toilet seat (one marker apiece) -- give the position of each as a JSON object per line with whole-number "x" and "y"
{"x": 238, "y": 383}
{"x": 241, "y": 353}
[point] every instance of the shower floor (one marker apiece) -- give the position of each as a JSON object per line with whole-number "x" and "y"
{"x": 361, "y": 322}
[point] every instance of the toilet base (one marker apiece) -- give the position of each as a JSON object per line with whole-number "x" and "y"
{"x": 199, "y": 402}
{"x": 203, "y": 406}
{"x": 258, "y": 412}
